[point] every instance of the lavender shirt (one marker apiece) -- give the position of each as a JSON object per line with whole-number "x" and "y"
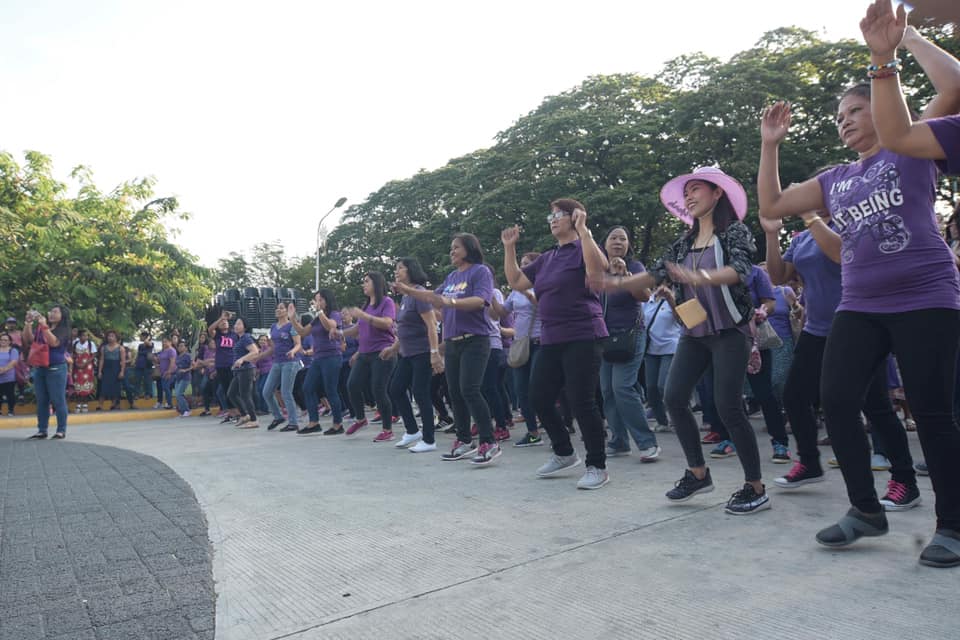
{"x": 264, "y": 363}
{"x": 493, "y": 326}
{"x": 780, "y": 318}
{"x": 282, "y": 338}
{"x": 323, "y": 346}
{"x": 568, "y": 310}
{"x": 522, "y": 309}
{"x": 474, "y": 281}
{"x": 718, "y": 315}
{"x": 167, "y": 358}
{"x": 893, "y": 257}
{"x": 373, "y": 340}
{"x": 6, "y": 357}
{"x": 821, "y": 282}
{"x": 758, "y": 282}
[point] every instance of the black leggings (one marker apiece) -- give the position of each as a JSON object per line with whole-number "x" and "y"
{"x": 802, "y": 392}
{"x": 440, "y": 396}
{"x": 371, "y": 372}
{"x": 925, "y": 343}
{"x": 240, "y": 391}
{"x": 224, "y": 376}
{"x": 8, "y": 393}
{"x": 574, "y": 368}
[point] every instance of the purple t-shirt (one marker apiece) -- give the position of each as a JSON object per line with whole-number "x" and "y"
{"x": 411, "y": 330}
{"x": 240, "y": 347}
{"x": 167, "y": 360}
{"x": 207, "y": 355}
{"x": 373, "y": 340}
{"x": 568, "y": 310}
{"x": 718, "y": 314}
{"x": 780, "y": 318}
{"x": 821, "y": 282}
{"x": 758, "y": 282}
{"x": 282, "y": 338}
{"x": 507, "y": 322}
{"x": 183, "y": 362}
{"x": 306, "y": 344}
{"x": 6, "y": 357}
{"x": 323, "y": 346}
{"x": 893, "y": 258}
{"x": 264, "y": 363}
{"x": 622, "y": 311}
{"x": 474, "y": 281}
{"x": 225, "y": 341}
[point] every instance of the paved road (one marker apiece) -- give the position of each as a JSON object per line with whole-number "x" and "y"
{"x": 343, "y": 538}
{"x": 99, "y": 543}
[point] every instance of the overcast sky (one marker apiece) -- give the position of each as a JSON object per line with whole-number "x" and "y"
{"x": 258, "y": 116}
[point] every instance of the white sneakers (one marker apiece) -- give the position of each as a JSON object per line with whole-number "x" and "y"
{"x": 422, "y": 447}
{"x": 409, "y": 439}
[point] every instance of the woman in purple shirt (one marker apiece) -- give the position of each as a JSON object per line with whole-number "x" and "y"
{"x": 50, "y": 382}
{"x": 622, "y": 313}
{"x": 419, "y": 351}
{"x": 710, "y": 265}
{"x": 324, "y": 371}
{"x": 245, "y": 353}
{"x": 463, "y": 296}
{"x": 571, "y": 328}
{"x": 9, "y": 358}
{"x": 286, "y": 363}
{"x": 900, "y": 289}
{"x": 263, "y": 364}
{"x": 375, "y": 362}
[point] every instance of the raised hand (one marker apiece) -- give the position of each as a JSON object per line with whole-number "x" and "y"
{"x": 579, "y": 220}
{"x": 771, "y": 226}
{"x": 510, "y": 235}
{"x": 291, "y": 312}
{"x": 883, "y": 29}
{"x": 775, "y": 122}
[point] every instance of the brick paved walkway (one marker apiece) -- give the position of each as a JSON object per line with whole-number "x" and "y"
{"x": 99, "y": 543}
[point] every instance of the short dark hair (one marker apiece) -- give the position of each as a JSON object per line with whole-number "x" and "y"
{"x": 379, "y": 286}
{"x": 241, "y": 319}
{"x": 415, "y": 272}
{"x": 567, "y": 205}
{"x": 472, "y": 246}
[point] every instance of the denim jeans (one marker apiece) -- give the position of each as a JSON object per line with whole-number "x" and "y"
{"x": 50, "y": 387}
{"x": 282, "y": 374}
{"x": 656, "y": 369}
{"x": 521, "y": 381}
{"x": 728, "y": 352}
{"x": 413, "y": 372}
{"x": 143, "y": 379}
{"x": 180, "y": 391}
{"x": 572, "y": 368}
{"x": 622, "y": 403}
{"x": 324, "y": 372}
{"x": 370, "y": 372}
{"x": 166, "y": 391}
{"x": 258, "y": 393}
{"x": 925, "y": 343}
{"x": 465, "y": 362}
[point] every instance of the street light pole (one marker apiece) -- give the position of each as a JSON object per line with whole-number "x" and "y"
{"x": 337, "y": 205}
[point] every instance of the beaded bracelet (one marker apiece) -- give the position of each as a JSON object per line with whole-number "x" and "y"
{"x": 893, "y": 64}
{"x": 880, "y": 75}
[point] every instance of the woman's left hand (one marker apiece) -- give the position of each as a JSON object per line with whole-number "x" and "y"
{"x": 883, "y": 29}
{"x": 683, "y": 275}
{"x": 618, "y": 267}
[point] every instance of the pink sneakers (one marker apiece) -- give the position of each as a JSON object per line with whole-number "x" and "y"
{"x": 384, "y": 436}
{"x": 356, "y": 426}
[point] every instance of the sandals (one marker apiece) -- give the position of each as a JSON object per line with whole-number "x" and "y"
{"x": 853, "y": 526}
{"x": 59, "y": 435}
{"x": 943, "y": 551}
{"x": 39, "y": 435}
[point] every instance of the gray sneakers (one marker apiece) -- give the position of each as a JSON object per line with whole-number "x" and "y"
{"x": 556, "y": 464}
{"x": 593, "y": 478}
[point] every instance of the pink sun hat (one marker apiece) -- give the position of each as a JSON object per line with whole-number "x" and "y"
{"x": 671, "y": 195}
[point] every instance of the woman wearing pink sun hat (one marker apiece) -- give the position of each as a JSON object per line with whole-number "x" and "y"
{"x": 708, "y": 267}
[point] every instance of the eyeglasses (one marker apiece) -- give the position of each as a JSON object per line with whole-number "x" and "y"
{"x": 556, "y": 215}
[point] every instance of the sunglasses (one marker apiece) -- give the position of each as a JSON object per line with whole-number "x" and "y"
{"x": 556, "y": 215}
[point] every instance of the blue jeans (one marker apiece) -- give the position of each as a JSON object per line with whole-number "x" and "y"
{"x": 166, "y": 391}
{"x": 50, "y": 387}
{"x": 622, "y": 403}
{"x": 180, "y": 392}
{"x": 521, "y": 382}
{"x": 282, "y": 374}
{"x": 258, "y": 395}
{"x": 413, "y": 372}
{"x": 656, "y": 369}
{"x": 325, "y": 371}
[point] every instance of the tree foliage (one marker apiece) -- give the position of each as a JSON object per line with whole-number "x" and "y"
{"x": 106, "y": 256}
{"x": 612, "y": 142}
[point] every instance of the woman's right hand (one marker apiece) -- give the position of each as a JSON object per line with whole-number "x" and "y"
{"x": 666, "y": 293}
{"x": 775, "y": 123}
{"x": 510, "y": 235}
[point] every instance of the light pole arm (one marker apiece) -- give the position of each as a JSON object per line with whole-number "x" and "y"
{"x": 316, "y": 280}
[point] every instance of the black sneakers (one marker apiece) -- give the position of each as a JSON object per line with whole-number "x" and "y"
{"x": 747, "y": 501}
{"x": 900, "y": 496}
{"x": 689, "y": 486}
{"x": 800, "y": 475}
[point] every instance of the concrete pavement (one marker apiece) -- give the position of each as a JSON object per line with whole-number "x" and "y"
{"x": 334, "y": 537}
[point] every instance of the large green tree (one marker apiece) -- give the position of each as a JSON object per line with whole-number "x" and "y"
{"x": 107, "y": 256}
